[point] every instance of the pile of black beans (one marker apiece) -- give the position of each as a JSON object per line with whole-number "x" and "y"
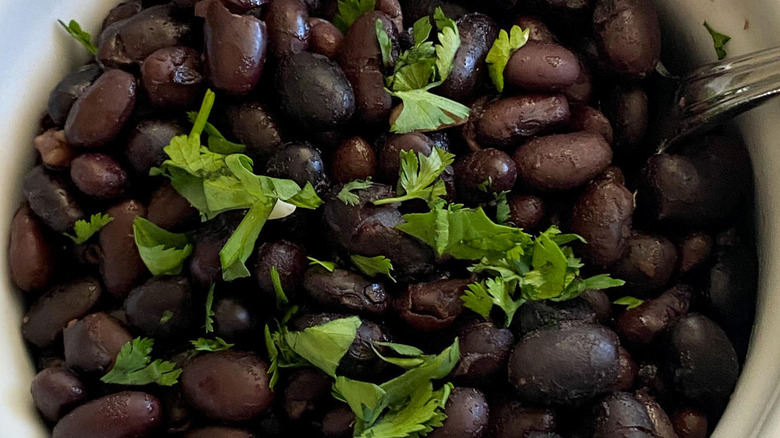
{"x": 566, "y": 139}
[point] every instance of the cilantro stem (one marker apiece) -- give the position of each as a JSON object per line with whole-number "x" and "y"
{"x": 203, "y": 115}
{"x": 396, "y": 199}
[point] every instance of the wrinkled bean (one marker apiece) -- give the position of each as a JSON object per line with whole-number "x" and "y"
{"x": 346, "y": 291}
{"x": 431, "y": 306}
{"x": 642, "y": 324}
{"x": 171, "y": 77}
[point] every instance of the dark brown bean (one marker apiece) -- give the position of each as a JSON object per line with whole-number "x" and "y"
{"x": 51, "y": 199}
{"x": 171, "y": 77}
{"x": 390, "y": 152}
{"x": 600, "y": 303}
{"x": 99, "y": 176}
{"x": 647, "y": 263}
{"x": 662, "y": 425}
{"x": 253, "y": 125}
{"x": 702, "y": 362}
{"x": 567, "y": 363}
{"x": 205, "y": 266}
{"x": 101, "y": 111}
{"x": 228, "y": 385}
{"x": 146, "y": 142}
{"x": 244, "y": 6}
{"x": 477, "y": 34}
{"x": 537, "y": 30}
{"x": 31, "y": 254}
{"x": 629, "y": 36}
{"x": 70, "y": 88}
{"x": 510, "y": 419}
{"x": 627, "y": 109}
{"x": 526, "y": 211}
{"x": 626, "y": 373}
{"x": 392, "y": 8}
{"x": 49, "y": 315}
{"x": 621, "y": 414}
{"x": 354, "y": 159}
{"x": 585, "y": 118}
{"x": 695, "y": 250}
{"x": 468, "y": 415}
{"x": 129, "y": 42}
{"x": 146, "y": 307}
{"x": 509, "y": 120}
{"x": 290, "y": 261}
{"x": 170, "y": 210}
{"x": 490, "y": 166}
{"x": 580, "y": 92}
{"x": 602, "y": 215}
{"x": 126, "y": 414}
{"x": 56, "y": 153}
{"x": 689, "y": 423}
{"x": 538, "y": 314}
{"x": 218, "y": 432}
{"x": 562, "y": 161}
{"x": 484, "y": 349}
{"x": 431, "y": 306}
{"x": 92, "y": 343}
{"x": 337, "y": 423}
{"x": 542, "y": 67}
{"x": 121, "y": 265}
{"x": 121, "y": 12}
{"x": 56, "y": 391}
{"x": 300, "y": 162}
{"x": 288, "y": 30}
{"x": 346, "y": 291}
{"x": 234, "y": 320}
{"x": 324, "y": 37}
{"x": 642, "y": 324}
{"x": 306, "y": 390}
{"x": 235, "y": 47}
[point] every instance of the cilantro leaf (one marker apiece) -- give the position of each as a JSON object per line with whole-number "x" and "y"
{"x": 719, "y": 40}
{"x": 436, "y": 367}
{"x": 162, "y": 252}
{"x": 505, "y": 45}
{"x": 280, "y": 354}
{"x": 422, "y": 110}
{"x": 412, "y": 356}
{"x": 550, "y": 263}
{"x": 629, "y": 302}
{"x": 502, "y": 207}
{"x": 85, "y": 230}
{"x": 385, "y": 45}
{"x": 345, "y": 194}
{"x": 281, "y": 297}
{"x": 241, "y": 243}
{"x": 373, "y": 266}
{"x": 133, "y": 366}
{"x": 75, "y": 30}
{"x": 481, "y": 297}
{"x": 419, "y": 415}
{"x": 419, "y": 177}
{"x": 217, "y": 142}
{"x": 329, "y": 266}
{"x": 324, "y": 345}
{"x": 449, "y": 43}
{"x": 402, "y": 349}
{"x": 367, "y": 400}
{"x": 349, "y": 11}
{"x": 421, "y": 30}
{"x": 166, "y": 316}
{"x": 212, "y": 345}
{"x": 210, "y": 313}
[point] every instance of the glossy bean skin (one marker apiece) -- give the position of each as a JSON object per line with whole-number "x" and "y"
{"x": 129, "y": 42}
{"x": 56, "y": 391}
{"x": 244, "y": 6}
{"x": 70, "y": 88}
{"x": 581, "y": 91}
{"x": 51, "y": 199}
{"x": 235, "y": 47}
{"x": 468, "y": 415}
{"x": 170, "y": 210}
{"x": 146, "y": 142}
{"x": 390, "y": 152}
{"x": 702, "y": 362}
{"x": 689, "y": 423}
{"x": 314, "y": 91}
{"x": 288, "y": 29}
{"x": 564, "y": 364}
{"x": 50, "y": 314}
{"x": 662, "y": 425}
{"x": 526, "y": 211}
{"x": 361, "y": 60}
{"x": 99, "y": 176}
{"x": 473, "y": 170}
{"x": 477, "y": 34}
{"x": 600, "y": 303}
{"x": 146, "y": 306}
{"x": 102, "y": 110}
{"x": 31, "y": 255}
{"x": 290, "y": 261}
{"x": 56, "y": 153}
{"x": 121, "y": 12}
{"x": 647, "y": 263}
{"x": 253, "y": 125}
{"x": 125, "y": 414}
{"x": 306, "y": 390}
{"x": 219, "y": 432}
{"x": 562, "y": 161}
{"x": 627, "y": 372}
{"x": 354, "y": 159}
{"x": 537, "y": 30}
{"x": 621, "y": 414}
{"x": 346, "y": 291}
{"x": 92, "y": 343}
{"x": 585, "y": 118}
{"x": 431, "y": 306}
{"x": 542, "y": 67}
{"x": 484, "y": 349}
{"x": 300, "y": 162}
{"x": 507, "y": 121}
{"x": 695, "y": 249}
{"x": 172, "y": 77}
{"x": 641, "y": 325}
{"x": 369, "y": 230}
{"x": 324, "y": 37}
{"x": 234, "y": 319}
{"x": 509, "y": 419}
{"x": 602, "y": 215}
{"x": 629, "y": 36}
{"x": 627, "y": 109}
{"x": 121, "y": 265}
{"x": 204, "y": 263}
{"x": 227, "y": 385}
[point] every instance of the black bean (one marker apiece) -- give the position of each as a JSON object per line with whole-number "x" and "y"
{"x": 99, "y": 176}
{"x": 662, "y": 425}
{"x": 70, "y": 88}
{"x": 121, "y": 265}
{"x": 538, "y": 314}
{"x": 253, "y": 125}
{"x": 346, "y": 291}
{"x": 431, "y": 306}
{"x": 484, "y": 349}
{"x": 92, "y": 343}
{"x": 234, "y": 319}
{"x": 51, "y": 199}
{"x": 695, "y": 249}
{"x": 337, "y": 423}
{"x": 290, "y": 261}
{"x": 602, "y": 215}
{"x": 146, "y": 142}
{"x": 542, "y": 67}
{"x": 507, "y": 121}
{"x": 526, "y": 211}
{"x": 621, "y": 414}
{"x": 468, "y": 415}
{"x": 300, "y": 162}
{"x": 306, "y": 390}
{"x": 121, "y": 12}
{"x": 627, "y": 110}
{"x": 510, "y": 419}
{"x": 31, "y": 256}
{"x": 288, "y": 29}
{"x": 170, "y": 210}
{"x": 689, "y": 423}
{"x": 390, "y": 152}
{"x": 642, "y": 324}
{"x": 477, "y": 34}
{"x": 172, "y": 77}
{"x": 121, "y": 415}
{"x": 480, "y": 174}
{"x": 324, "y": 37}
{"x": 56, "y": 391}
{"x": 161, "y": 308}
{"x": 647, "y": 263}
{"x": 629, "y": 36}
{"x": 219, "y": 432}
{"x": 354, "y": 159}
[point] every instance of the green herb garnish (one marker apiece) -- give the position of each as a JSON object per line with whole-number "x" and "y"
{"x": 719, "y": 40}
{"x": 349, "y": 11}
{"x": 505, "y": 45}
{"x": 209, "y": 327}
{"x": 345, "y": 194}
{"x": 629, "y": 302}
{"x": 162, "y": 252}
{"x": 329, "y": 266}
{"x": 212, "y": 345}
{"x": 373, "y": 266}
{"x": 134, "y": 366}
{"x": 419, "y": 177}
{"x": 84, "y": 230}
{"x": 75, "y": 30}
{"x": 281, "y": 297}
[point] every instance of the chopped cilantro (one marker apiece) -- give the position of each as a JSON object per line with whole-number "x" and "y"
{"x": 162, "y": 252}
{"x": 719, "y": 40}
{"x": 419, "y": 177}
{"x": 505, "y": 45}
{"x": 281, "y": 297}
{"x": 85, "y": 230}
{"x": 329, "y": 266}
{"x": 373, "y": 266}
{"x": 345, "y": 194}
{"x": 134, "y": 366}
{"x": 209, "y": 327}
{"x": 75, "y": 30}
{"x": 629, "y": 302}
{"x": 212, "y": 345}
{"x": 349, "y": 11}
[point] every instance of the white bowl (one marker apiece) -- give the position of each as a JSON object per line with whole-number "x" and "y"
{"x": 35, "y": 54}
